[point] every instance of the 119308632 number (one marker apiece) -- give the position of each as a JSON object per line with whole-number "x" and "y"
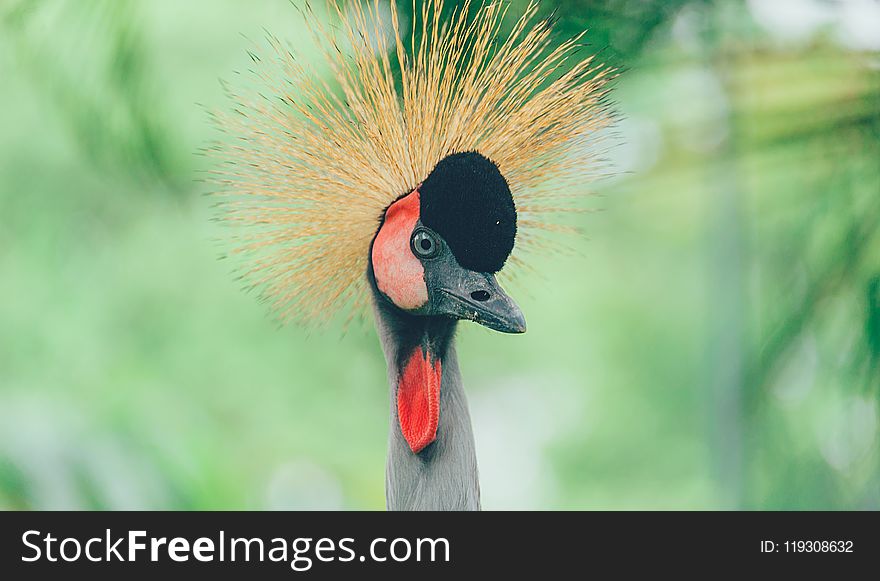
{"x": 818, "y": 546}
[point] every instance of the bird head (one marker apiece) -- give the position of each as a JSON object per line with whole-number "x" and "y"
{"x": 439, "y": 247}
{"x": 414, "y": 129}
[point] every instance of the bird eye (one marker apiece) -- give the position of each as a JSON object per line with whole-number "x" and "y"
{"x": 424, "y": 244}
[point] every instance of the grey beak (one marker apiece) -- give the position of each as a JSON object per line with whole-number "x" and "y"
{"x": 477, "y": 296}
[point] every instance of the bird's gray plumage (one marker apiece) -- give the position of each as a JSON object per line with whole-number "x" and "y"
{"x": 444, "y": 475}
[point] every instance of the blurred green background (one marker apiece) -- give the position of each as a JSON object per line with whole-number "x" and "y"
{"x": 715, "y": 344}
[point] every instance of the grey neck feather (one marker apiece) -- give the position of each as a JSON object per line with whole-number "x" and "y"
{"x": 444, "y": 475}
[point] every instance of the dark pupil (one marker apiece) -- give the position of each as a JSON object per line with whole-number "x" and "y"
{"x": 426, "y": 244}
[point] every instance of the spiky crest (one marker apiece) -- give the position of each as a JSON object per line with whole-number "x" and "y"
{"x": 310, "y": 167}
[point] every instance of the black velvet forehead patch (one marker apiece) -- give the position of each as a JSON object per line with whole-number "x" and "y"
{"x": 467, "y": 201}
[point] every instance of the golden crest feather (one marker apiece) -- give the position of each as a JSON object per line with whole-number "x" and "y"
{"x": 309, "y": 168}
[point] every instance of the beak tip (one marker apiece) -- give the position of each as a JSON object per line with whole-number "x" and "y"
{"x": 516, "y": 325}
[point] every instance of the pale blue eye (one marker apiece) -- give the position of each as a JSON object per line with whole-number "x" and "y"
{"x": 424, "y": 244}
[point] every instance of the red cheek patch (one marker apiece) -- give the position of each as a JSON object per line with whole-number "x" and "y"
{"x": 418, "y": 400}
{"x": 399, "y": 274}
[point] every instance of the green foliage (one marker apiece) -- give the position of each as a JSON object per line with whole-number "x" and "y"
{"x": 94, "y": 70}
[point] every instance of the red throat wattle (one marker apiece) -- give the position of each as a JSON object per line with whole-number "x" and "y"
{"x": 418, "y": 400}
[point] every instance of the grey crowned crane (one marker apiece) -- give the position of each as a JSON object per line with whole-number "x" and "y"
{"x": 406, "y": 187}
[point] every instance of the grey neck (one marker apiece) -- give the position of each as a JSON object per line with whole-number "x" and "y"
{"x": 443, "y": 476}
